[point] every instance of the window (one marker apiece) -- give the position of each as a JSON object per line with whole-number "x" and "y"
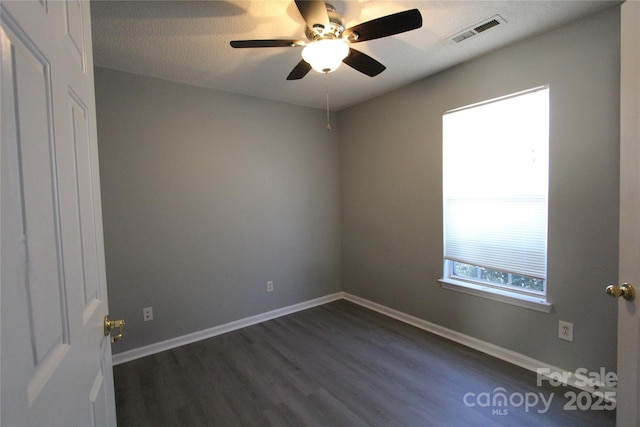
{"x": 495, "y": 188}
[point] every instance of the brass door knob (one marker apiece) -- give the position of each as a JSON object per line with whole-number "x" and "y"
{"x": 625, "y": 291}
{"x": 112, "y": 324}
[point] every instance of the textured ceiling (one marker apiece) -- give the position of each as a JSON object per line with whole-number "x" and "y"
{"x": 188, "y": 41}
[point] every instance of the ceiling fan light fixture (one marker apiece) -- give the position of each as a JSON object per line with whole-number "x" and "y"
{"x": 326, "y": 55}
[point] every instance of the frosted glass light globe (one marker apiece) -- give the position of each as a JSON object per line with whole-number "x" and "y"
{"x": 325, "y": 56}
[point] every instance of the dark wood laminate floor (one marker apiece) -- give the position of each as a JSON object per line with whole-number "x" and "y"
{"x": 335, "y": 365}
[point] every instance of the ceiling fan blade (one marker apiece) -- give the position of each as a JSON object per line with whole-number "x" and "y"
{"x": 313, "y": 12}
{"x": 363, "y": 63}
{"x": 299, "y": 71}
{"x": 384, "y": 26}
{"x": 266, "y": 43}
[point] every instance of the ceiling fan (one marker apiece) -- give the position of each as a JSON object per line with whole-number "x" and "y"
{"x": 328, "y": 40}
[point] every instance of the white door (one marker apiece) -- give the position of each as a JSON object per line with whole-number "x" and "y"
{"x": 55, "y": 360}
{"x": 628, "y": 405}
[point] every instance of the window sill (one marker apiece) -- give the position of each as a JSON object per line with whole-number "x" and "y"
{"x": 526, "y": 301}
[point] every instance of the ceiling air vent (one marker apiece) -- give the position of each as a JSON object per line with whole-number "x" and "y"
{"x": 485, "y": 25}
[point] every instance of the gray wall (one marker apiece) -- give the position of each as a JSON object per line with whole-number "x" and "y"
{"x": 391, "y": 198}
{"x": 207, "y": 196}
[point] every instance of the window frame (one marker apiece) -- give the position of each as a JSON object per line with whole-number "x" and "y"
{"x": 508, "y": 293}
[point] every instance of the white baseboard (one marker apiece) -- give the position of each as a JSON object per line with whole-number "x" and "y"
{"x": 148, "y": 350}
{"x": 512, "y": 357}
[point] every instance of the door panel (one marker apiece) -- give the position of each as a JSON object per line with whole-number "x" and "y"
{"x": 74, "y": 25}
{"x": 83, "y": 155}
{"x": 35, "y": 209}
{"x": 56, "y": 362}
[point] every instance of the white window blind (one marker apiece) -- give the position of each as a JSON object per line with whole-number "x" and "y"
{"x": 495, "y": 183}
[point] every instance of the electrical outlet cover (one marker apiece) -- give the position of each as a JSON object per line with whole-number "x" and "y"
{"x": 565, "y": 331}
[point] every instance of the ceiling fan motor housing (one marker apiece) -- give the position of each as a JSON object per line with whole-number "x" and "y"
{"x": 336, "y": 26}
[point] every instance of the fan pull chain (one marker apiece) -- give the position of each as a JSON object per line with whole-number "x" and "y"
{"x": 326, "y": 80}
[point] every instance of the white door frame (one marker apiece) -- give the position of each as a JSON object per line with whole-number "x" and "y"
{"x": 628, "y": 392}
